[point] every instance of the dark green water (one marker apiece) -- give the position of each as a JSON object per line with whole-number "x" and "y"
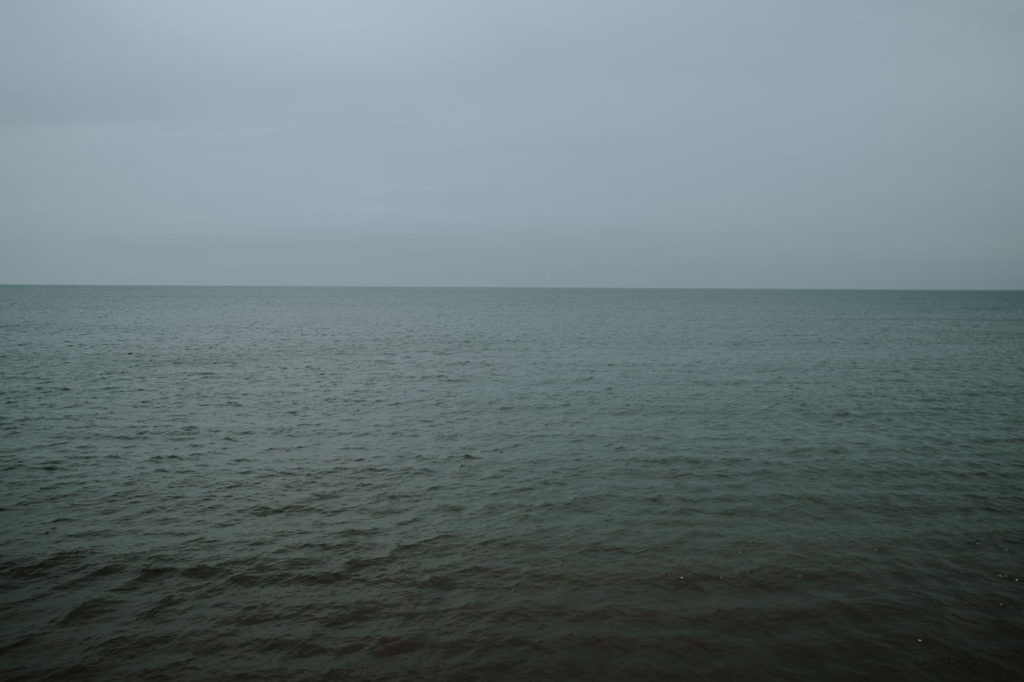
{"x": 250, "y": 483}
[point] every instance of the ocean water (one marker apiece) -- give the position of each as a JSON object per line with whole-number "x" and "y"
{"x": 387, "y": 484}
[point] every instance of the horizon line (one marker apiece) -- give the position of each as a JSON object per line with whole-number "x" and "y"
{"x": 505, "y": 286}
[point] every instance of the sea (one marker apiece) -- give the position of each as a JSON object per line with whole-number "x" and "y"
{"x": 246, "y": 483}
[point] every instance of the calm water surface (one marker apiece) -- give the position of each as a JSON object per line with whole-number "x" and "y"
{"x": 275, "y": 483}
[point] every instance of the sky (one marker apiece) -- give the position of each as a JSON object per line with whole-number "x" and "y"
{"x": 582, "y": 143}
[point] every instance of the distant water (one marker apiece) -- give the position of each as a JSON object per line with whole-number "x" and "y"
{"x": 290, "y": 483}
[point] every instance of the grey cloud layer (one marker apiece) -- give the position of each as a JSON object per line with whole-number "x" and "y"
{"x": 528, "y": 143}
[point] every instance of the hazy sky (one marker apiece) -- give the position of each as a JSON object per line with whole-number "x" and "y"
{"x": 765, "y": 143}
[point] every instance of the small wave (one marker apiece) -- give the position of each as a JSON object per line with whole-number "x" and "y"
{"x": 387, "y": 647}
{"x": 89, "y": 610}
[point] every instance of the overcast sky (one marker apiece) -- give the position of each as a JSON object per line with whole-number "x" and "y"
{"x": 765, "y": 143}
